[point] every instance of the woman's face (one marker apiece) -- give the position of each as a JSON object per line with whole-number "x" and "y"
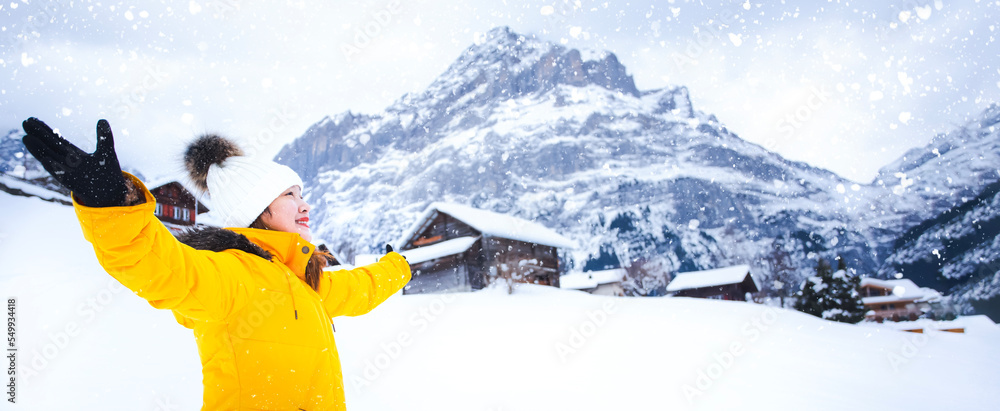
{"x": 289, "y": 213}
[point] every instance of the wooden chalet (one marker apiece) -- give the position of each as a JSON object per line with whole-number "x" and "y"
{"x": 459, "y": 248}
{"x": 895, "y": 300}
{"x": 176, "y": 207}
{"x": 603, "y": 282}
{"x": 729, "y": 283}
{"x": 960, "y": 325}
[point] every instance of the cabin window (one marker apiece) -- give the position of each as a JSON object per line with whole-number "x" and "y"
{"x": 159, "y": 209}
{"x": 427, "y": 240}
{"x": 187, "y": 214}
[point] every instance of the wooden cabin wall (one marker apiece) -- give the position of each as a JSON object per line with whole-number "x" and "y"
{"x": 506, "y": 255}
{"x": 475, "y": 261}
{"x": 448, "y": 274}
{"x": 175, "y": 195}
{"x": 734, "y": 292}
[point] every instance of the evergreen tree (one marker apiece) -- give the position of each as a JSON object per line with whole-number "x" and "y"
{"x": 844, "y": 300}
{"x": 811, "y": 296}
{"x": 832, "y": 295}
{"x": 783, "y": 277}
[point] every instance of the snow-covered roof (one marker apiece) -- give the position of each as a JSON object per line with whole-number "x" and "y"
{"x": 442, "y": 249}
{"x": 422, "y": 254}
{"x": 155, "y": 183}
{"x": 32, "y": 189}
{"x": 711, "y": 278}
{"x": 590, "y": 279}
{"x": 161, "y": 181}
{"x": 492, "y": 224}
{"x": 607, "y": 276}
{"x": 361, "y": 260}
{"x": 577, "y": 281}
{"x": 902, "y": 290}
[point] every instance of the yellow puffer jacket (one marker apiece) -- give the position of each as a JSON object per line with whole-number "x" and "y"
{"x": 255, "y": 353}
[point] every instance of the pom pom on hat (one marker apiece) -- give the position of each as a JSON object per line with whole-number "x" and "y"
{"x": 241, "y": 187}
{"x": 203, "y": 152}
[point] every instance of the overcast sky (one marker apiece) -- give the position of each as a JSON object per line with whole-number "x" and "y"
{"x": 846, "y": 86}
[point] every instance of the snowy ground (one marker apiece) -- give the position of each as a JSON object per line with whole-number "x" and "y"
{"x": 86, "y": 343}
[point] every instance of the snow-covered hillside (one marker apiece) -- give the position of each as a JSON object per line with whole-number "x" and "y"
{"x": 85, "y": 343}
{"x": 957, "y": 252}
{"x": 952, "y": 242}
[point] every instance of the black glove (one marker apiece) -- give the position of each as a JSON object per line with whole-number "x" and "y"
{"x": 95, "y": 179}
{"x": 388, "y": 249}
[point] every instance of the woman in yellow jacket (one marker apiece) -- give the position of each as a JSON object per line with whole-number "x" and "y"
{"x": 256, "y": 296}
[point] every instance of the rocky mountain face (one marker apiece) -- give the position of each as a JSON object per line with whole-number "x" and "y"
{"x": 956, "y": 250}
{"x": 952, "y": 169}
{"x": 528, "y": 128}
{"x": 17, "y": 163}
{"x": 14, "y": 158}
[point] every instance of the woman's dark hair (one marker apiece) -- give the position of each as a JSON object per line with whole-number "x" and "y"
{"x": 318, "y": 260}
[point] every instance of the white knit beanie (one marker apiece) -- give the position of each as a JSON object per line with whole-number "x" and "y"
{"x": 241, "y": 187}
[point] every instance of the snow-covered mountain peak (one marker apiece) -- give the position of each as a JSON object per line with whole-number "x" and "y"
{"x": 504, "y": 64}
{"x": 952, "y": 168}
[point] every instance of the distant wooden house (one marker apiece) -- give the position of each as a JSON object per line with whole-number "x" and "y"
{"x": 960, "y": 325}
{"x": 729, "y": 283}
{"x": 603, "y": 282}
{"x": 459, "y": 248}
{"x": 176, "y": 207}
{"x": 895, "y": 300}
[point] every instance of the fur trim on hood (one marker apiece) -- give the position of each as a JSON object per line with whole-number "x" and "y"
{"x": 219, "y": 239}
